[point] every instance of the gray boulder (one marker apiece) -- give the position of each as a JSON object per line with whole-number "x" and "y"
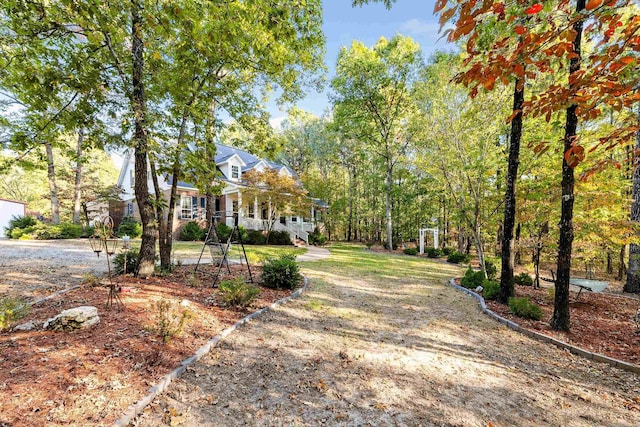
{"x": 73, "y": 319}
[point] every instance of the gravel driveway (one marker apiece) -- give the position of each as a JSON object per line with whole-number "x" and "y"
{"x": 36, "y": 268}
{"x": 395, "y": 352}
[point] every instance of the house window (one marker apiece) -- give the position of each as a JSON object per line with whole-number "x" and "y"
{"x": 203, "y": 202}
{"x": 235, "y": 172}
{"x": 251, "y": 211}
{"x": 194, "y": 211}
{"x": 186, "y": 207}
{"x": 294, "y": 219}
{"x": 129, "y": 209}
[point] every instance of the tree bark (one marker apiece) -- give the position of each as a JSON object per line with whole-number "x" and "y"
{"x": 633, "y": 272}
{"x": 53, "y": 188}
{"x": 146, "y": 259}
{"x": 622, "y": 269}
{"x": 561, "y": 315}
{"x": 508, "y": 242}
{"x": 77, "y": 189}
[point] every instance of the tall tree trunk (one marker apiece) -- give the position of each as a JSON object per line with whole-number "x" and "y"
{"x": 77, "y": 189}
{"x": 146, "y": 259}
{"x": 633, "y": 273}
{"x": 351, "y": 197}
{"x": 388, "y": 184}
{"x": 508, "y": 242}
{"x": 622, "y": 269}
{"x": 561, "y": 315}
{"x": 211, "y": 159}
{"x": 166, "y": 232}
{"x": 53, "y": 188}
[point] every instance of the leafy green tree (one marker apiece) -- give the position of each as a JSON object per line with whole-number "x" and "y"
{"x": 373, "y": 100}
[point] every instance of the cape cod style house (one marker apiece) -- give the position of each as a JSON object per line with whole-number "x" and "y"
{"x": 231, "y": 163}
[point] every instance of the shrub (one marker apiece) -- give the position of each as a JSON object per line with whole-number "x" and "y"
{"x": 69, "y": 230}
{"x": 472, "y": 279}
{"x": 523, "y": 279}
{"x": 411, "y": 251}
{"x": 394, "y": 244}
{"x": 316, "y": 238}
{"x": 169, "y": 322}
{"x": 491, "y": 269}
{"x": 236, "y": 292}
{"x": 224, "y": 231}
{"x": 132, "y": 261}
{"x": 240, "y": 232}
{"x": 490, "y": 289}
{"x": 457, "y": 258}
{"x": 279, "y": 238}
{"x": 18, "y": 223}
{"x": 256, "y": 237}
{"x": 11, "y": 310}
{"x": 192, "y": 231}
{"x": 281, "y": 273}
{"x": 130, "y": 227}
{"x": 523, "y": 307}
{"x": 433, "y": 252}
{"x": 448, "y": 251}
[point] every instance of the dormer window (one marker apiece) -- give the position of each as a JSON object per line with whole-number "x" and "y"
{"x": 235, "y": 172}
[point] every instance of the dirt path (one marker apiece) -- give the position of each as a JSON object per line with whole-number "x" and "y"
{"x": 403, "y": 352}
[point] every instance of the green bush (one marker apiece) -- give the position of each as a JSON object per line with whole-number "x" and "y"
{"x": 192, "y": 232}
{"x": 26, "y": 228}
{"x": 457, "y": 258}
{"x": 255, "y": 237}
{"x": 472, "y": 279}
{"x": 281, "y": 273}
{"x": 490, "y": 289}
{"x": 394, "y": 244}
{"x": 433, "y": 252}
{"x": 523, "y": 307}
{"x": 237, "y": 293}
{"x": 280, "y": 238}
{"x": 523, "y": 279}
{"x": 411, "y": 251}
{"x": 491, "y": 269}
{"x": 11, "y": 310}
{"x": 19, "y": 223}
{"x": 316, "y": 238}
{"x": 224, "y": 231}
{"x": 69, "y": 230}
{"x": 129, "y": 227}
{"x": 132, "y": 261}
{"x": 448, "y": 251}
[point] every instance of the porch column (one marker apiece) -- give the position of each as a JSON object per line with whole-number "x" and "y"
{"x": 240, "y": 210}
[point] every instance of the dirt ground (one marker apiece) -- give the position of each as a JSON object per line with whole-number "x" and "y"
{"x": 91, "y": 376}
{"x": 401, "y": 352}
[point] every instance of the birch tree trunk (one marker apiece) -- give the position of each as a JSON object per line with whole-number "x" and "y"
{"x": 53, "y": 188}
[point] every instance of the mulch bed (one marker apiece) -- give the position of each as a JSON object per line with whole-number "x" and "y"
{"x": 90, "y": 377}
{"x": 600, "y": 322}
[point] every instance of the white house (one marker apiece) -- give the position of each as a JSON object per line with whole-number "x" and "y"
{"x": 231, "y": 163}
{"x": 9, "y": 209}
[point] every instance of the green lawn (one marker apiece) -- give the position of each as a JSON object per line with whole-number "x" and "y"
{"x": 255, "y": 253}
{"x": 353, "y": 260}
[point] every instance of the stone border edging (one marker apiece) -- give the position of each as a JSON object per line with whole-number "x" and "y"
{"x": 629, "y": 367}
{"x": 162, "y": 385}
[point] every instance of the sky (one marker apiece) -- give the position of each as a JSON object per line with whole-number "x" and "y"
{"x": 344, "y": 23}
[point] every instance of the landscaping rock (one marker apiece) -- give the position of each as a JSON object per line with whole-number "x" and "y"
{"x": 479, "y": 289}
{"x": 29, "y": 326}
{"x": 74, "y": 318}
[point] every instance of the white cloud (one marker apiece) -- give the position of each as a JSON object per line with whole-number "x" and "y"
{"x": 420, "y": 28}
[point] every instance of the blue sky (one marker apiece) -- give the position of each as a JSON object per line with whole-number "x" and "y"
{"x": 343, "y": 24}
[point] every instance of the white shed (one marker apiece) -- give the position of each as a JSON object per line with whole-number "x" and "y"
{"x": 8, "y": 209}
